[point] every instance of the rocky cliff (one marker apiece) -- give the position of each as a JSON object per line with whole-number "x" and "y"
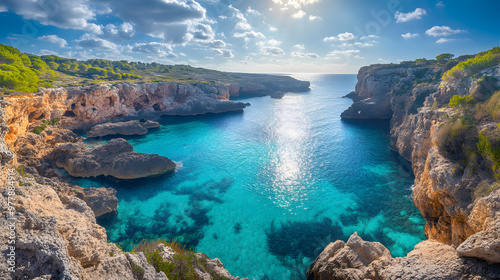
{"x": 49, "y": 228}
{"x": 455, "y": 189}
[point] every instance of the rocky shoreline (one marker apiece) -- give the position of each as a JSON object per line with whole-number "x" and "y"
{"x": 462, "y": 223}
{"x": 56, "y": 234}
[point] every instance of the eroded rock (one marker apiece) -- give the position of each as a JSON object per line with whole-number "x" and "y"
{"x": 116, "y": 158}
{"x": 122, "y": 128}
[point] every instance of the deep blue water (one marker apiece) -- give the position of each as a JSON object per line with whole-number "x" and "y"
{"x": 266, "y": 190}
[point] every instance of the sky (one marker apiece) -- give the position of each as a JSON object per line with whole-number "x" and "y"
{"x": 264, "y": 36}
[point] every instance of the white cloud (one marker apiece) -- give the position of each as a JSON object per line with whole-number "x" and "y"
{"x": 404, "y": 17}
{"x": 359, "y": 57}
{"x": 369, "y": 37}
{"x": 154, "y": 49}
{"x": 437, "y": 31}
{"x": 440, "y": 4}
{"x": 343, "y": 52}
{"x": 271, "y": 42}
{"x": 91, "y": 41}
{"x": 124, "y": 31}
{"x": 409, "y": 35}
{"x": 48, "y": 52}
{"x": 311, "y": 18}
{"x": 224, "y": 53}
{"x": 169, "y": 20}
{"x": 273, "y": 29}
{"x": 272, "y": 51}
{"x": 68, "y": 14}
{"x": 249, "y": 35}
{"x": 296, "y": 4}
{"x": 444, "y": 40}
{"x": 241, "y": 20}
{"x": 217, "y": 44}
{"x": 347, "y": 36}
{"x": 299, "y": 14}
{"x": 363, "y": 44}
{"x": 54, "y": 39}
{"x": 300, "y": 47}
{"x": 304, "y": 55}
{"x": 251, "y": 11}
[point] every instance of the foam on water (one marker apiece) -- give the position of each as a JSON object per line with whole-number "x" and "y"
{"x": 266, "y": 190}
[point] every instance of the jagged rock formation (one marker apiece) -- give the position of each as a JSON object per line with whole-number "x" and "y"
{"x": 83, "y": 107}
{"x": 371, "y": 260}
{"x": 116, "y": 158}
{"x": 349, "y": 260}
{"x": 122, "y": 128}
{"x": 445, "y": 192}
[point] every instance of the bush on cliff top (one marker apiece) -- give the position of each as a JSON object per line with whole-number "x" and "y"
{"x": 474, "y": 65}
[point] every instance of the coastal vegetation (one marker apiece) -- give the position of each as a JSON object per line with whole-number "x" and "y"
{"x": 43, "y": 126}
{"x": 183, "y": 264}
{"x": 464, "y": 141}
{"x": 475, "y": 65}
{"x": 29, "y": 73}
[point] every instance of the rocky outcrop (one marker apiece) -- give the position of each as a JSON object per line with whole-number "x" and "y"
{"x": 122, "y": 128}
{"x": 445, "y": 192}
{"x": 371, "y": 260}
{"x": 116, "y": 158}
{"x": 261, "y": 85}
{"x": 124, "y": 266}
{"x": 349, "y": 260}
{"x": 82, "y": 107}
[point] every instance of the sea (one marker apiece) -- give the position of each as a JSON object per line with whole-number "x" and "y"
{"x": 265, "y": 190}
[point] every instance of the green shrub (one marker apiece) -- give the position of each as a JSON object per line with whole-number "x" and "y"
{"x": 458, "y": 101}
{"x": 486, "y": 86}
{"x": 39, "y": 129}
{"x": 137, "y": 271}
{"x": 474, "y": 65}
{"x": 489, "y": 148}
{"x": 489, "y": 109}
{"x": 457, "y": 141}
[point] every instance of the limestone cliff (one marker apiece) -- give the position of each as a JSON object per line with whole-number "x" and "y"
{"x": 56, "y": 234}
{"x": 459, "y": 197}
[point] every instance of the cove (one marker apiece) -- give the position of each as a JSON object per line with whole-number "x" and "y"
{"x": 267, "y": 189}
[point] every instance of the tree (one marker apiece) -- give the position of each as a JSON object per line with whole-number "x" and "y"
{"x": 421, "y": 62}
{"x": 443, "y": 58}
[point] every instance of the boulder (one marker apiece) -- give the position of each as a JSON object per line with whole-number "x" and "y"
{"x": 484, "y": 244}
{"x": 116, "y": 159}
{"x": 122, "y": 128}
{"x": 349, "y": 260}
{"x": 358, "y": 259}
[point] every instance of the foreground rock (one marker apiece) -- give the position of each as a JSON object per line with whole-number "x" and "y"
{"x": 122, "y": 128}
{"x": 359, "y": 260}
{"x": 348, "y": 260}
{"x": 116, "y": 159}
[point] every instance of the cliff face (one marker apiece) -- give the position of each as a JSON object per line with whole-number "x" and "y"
{"x": 446, "y": 192}
{"x": 56, "y": 234}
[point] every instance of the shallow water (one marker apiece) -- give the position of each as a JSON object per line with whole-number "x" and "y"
{"x": 266, "y": 190}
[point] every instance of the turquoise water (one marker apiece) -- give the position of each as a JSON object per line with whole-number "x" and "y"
{"x": 266, "y": 190}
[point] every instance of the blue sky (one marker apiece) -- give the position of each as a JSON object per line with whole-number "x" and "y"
{"x": 284, "y": 36}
